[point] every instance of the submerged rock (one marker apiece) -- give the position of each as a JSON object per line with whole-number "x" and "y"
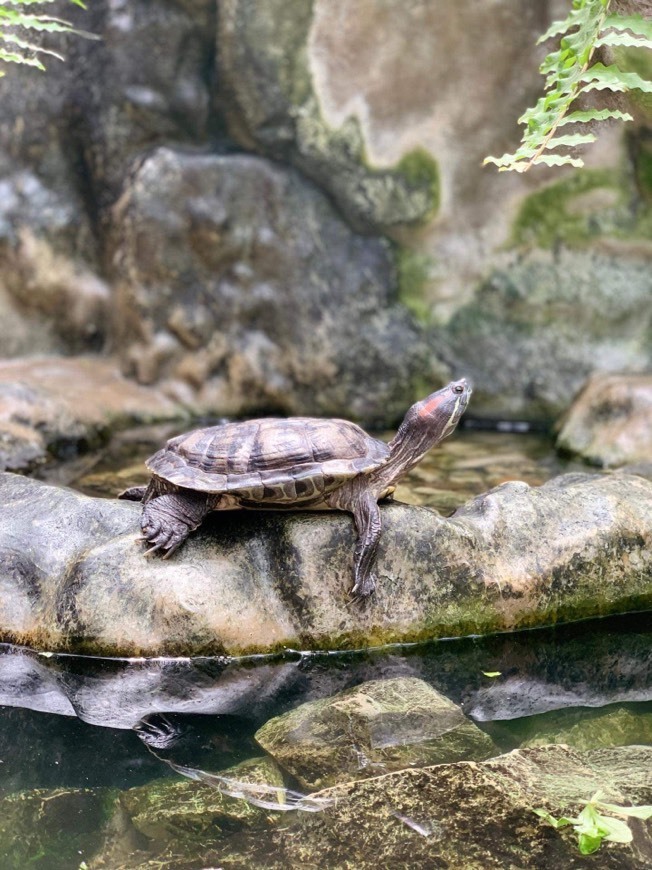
{"x": 590, "y": 729}
{"x": 52, "y": 828}
{"x": 464, "y": 815}
{"x": 171, "y": 811}
{"x": 371, "y": 729}
{"x": 74, "y": 577}
{"x": 610, "y": 422}
{"x": 57, "y": 407}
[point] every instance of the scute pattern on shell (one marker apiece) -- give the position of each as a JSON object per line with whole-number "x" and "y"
{"x": 262, "y": 459}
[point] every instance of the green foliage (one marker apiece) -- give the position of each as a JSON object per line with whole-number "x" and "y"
{"x": 592, "y": 827}
{"x": 18, "y": 27}
{"x": 570, "y": 72}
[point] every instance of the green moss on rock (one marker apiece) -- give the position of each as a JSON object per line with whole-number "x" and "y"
{"x": 413, "y": 273}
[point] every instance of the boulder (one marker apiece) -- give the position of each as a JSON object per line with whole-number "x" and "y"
{"x": 73, "y": 576}
{"x": 58, "y": 407}
{"x": 54, "y": 828}
{"x": 240, "y": 290}
{"x": 610, "y": 421}
{"x": 371, "y": 729}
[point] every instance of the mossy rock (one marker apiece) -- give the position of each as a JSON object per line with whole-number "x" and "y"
{"x": 171, "y": 811}
{"x": 55, "y": 829}
{"x": 587, "y": 728}
{"x": 378, "y": 726}
{"x": 272, "y": 107}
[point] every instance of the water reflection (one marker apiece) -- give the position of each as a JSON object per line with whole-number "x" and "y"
{"x": 203, "y": 713}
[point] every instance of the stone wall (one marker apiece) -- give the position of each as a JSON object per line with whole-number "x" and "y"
{"x": 280, "y": 206}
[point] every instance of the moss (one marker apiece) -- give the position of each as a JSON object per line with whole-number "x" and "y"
{"x": 548, "y": 216}
{"x": 413, "y": 273}
{"x": 420, "y": 171}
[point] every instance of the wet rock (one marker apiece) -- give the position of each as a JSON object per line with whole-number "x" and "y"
{"x": 464, "y": 815}
{"x": 57, "y": 407}
{"x": 197, "y": 705}
{"x": 73, "y": 575}
{"x": 610, "y": 422}
{"x": 586, "y": 730}
{"x": 56, "y": 829}
{"x": 186, "y": 812}
{"x": 371, "y": 729}
{"x": 241, "y": 290}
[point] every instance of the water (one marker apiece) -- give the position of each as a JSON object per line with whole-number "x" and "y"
{"x": 118, "y": 763}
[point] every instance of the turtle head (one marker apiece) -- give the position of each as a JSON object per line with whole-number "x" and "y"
{"x": 440, "y": 412}
{"x": 426, "y": 423}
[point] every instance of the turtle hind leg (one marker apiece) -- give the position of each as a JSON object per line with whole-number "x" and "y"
{"x": 168, "y": 519}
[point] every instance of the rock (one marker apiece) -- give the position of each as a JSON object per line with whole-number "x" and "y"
{"x": 610, "y": 422}
{"x": 241, "y": 291}
{"x": 619, "y": 726}
{"x": 274, "y": 107}
{"x": 185, "y": 701}
{"x": 57, "y": 828}
{"x": 546, "y": 323}
{"x": 371, "y": 729}
{"x": 186, "y": 812}
{"x": 57, "y": 407}
{"x": 144, "y": 82}
{"x": 463, "y": 815}
{"x": 73, "y": 576}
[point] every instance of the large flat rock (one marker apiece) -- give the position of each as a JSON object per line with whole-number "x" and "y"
{"x": 73, "y": 577}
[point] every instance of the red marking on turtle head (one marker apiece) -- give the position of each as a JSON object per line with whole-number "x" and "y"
{"x": 430, "y": 405}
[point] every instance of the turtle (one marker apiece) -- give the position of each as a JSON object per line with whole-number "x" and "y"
{"x": 290, "y": 463}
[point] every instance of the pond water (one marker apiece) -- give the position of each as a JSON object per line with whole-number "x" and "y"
{"x": 87, "y": 745}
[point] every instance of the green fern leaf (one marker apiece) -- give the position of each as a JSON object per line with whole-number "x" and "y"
{"x": 615, "y": 79}
{"x": 569, "y": 73}
{"x": 571, "y": 140}
{"x": 587, "y": 115}
{"x": 625, "y": 39}
{"x": 638, "y": 25}
{"x": 557, "y": 160}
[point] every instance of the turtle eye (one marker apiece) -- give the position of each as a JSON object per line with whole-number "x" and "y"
{"x": 458, "y": 388}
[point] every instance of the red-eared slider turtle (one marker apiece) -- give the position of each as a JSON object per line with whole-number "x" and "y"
{"x": 298, "y": 462}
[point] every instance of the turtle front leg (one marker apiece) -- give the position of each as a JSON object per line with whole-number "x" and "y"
{"x": 168, "y": 519}
{"x": 361, "y": 502}
{"x": 366, "y": 515}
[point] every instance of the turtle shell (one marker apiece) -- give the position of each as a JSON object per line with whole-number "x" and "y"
{"x": 269, "y": 460}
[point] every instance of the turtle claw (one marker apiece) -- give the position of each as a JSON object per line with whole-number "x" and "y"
{"x": 364, "y": 588}
{"x": 153, "y": 549}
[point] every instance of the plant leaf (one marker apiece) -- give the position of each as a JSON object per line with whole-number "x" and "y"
{"x": 585, "y": 115}
{"x": 642, "y": 812}
{"x": 571, "y": 139}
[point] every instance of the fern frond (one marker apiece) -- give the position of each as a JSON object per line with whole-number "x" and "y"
{"x": 26, "y": 52}
{"x": 569, "y": 72}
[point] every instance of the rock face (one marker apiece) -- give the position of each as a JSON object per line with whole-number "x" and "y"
{"x": 128, "y": 221}
{"x": 241, "y": 289}
{"x": 610, "y": 422}
{"x": 545, "y": 323}
{"x": 57, "y": 407}
{"x": 371, "y": 729}
{"x": 73, "y": 576}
